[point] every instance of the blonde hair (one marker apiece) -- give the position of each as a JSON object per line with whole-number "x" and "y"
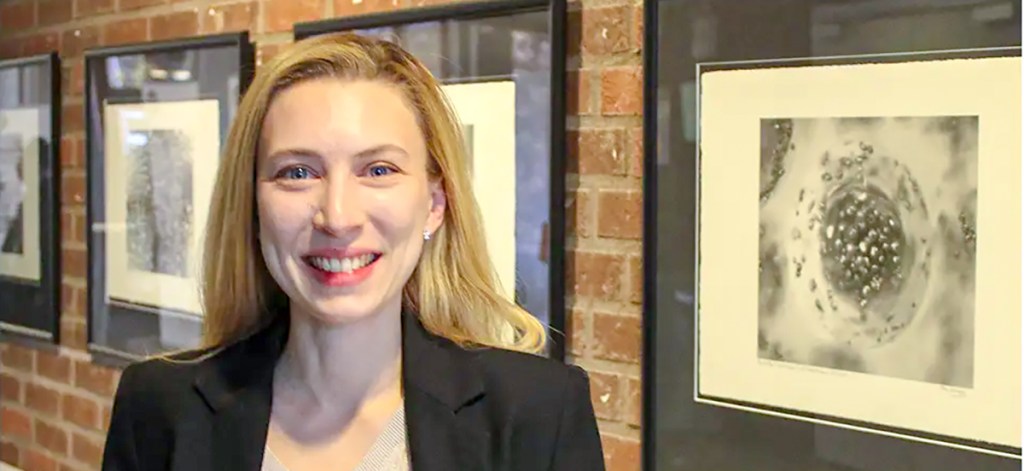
{"x": 453, "y": 290}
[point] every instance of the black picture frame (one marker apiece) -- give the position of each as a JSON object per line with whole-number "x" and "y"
{"x": 207, "y": 73}
{"x": 30, "y": 311}
{"x": 467, "y": 28}
{"x": 683, "y": 39}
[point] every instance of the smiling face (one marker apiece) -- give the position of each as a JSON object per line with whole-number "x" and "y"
{"x": 344, "y": 197}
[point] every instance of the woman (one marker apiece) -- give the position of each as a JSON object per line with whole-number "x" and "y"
{"x": 352, "y": 314}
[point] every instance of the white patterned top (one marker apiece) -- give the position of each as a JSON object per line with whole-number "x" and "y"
{"x": 388, "y": 453}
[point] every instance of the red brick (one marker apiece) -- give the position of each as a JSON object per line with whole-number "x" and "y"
{"x": 51, "y": 437}
{"x": 577, "y": 100}
{"x": 54, "y": 367}
{"x": 606, "y": 30}
{"x": 620, "y": 454}
{"x": 600, "y": 151}
{"x": 42, "y": 399}
{"x": 9, "y": 453}
{"x": 265, "y": 52}
{"x": 43, "y": 43}
{"x": 94, "y": 378}
{"x": 281, "y": 15}
{"x": 72, "y": 333}
{"x": 75, "y": 41}
{"x": 605, "y": 394}
{"x": 632, "y": 412}
{"x": 87, "y": 451}
{"x": 620, "y": 214}
{"x": 17, "y": 15}
{"x": 126, "y": 31}
{"x": 350, "y": 7}
{"x": 80, "y": 411}
{"x": 73, "y": 188}
{"x": 93, "y": 7}
{"x": 596, "y": 275}
{"x": 70, "y": 294}
{"x": 18, "y": 358}
{"x": 72, "y": 78}
{"x": 224, "y": 18}
{"x": 69, "y": 153}
{"x": 576, "y": 333}
{"x": 10, "y": 48}
{"x": 17, "y": 424}
{"x": 105, "y": 418}
{"x": 52, "y": 12}
{"x": 126, "y": 5}
{"x": 35, "y": 460}
{"x": 174, "y": 25}
{"x": 580, "y": 212}
{"x": 10, "y": 388}
{"x": 72, "y": 297}
{"x": 622, "y": 91}
{"x": 74, "y": 262}
{"x": 638, "y": 27}
{"x": 635, "y": 144}
{"x": 617, "y": 338}
{"x": 73, "y": 118}
{"x": 635, "y": 267}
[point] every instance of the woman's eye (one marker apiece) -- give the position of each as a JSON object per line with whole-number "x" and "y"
{"x": 380, "y": 171}
{"x": 296, "y": 173}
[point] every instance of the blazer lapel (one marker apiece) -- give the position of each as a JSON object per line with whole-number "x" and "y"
{"x": 238, "y": 388}
{"x": 440, "y": 380}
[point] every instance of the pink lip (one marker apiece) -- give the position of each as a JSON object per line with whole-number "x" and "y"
{"x": 333, "y": 279}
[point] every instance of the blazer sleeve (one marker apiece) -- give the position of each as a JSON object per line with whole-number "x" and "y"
{"x": 119, "y": 452}
{"x": 578, "y": 447}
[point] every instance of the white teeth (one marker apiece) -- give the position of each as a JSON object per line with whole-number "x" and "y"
{"x": 341, "y": 265}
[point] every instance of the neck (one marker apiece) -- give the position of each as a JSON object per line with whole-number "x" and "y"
{"x": 341, "y": 366}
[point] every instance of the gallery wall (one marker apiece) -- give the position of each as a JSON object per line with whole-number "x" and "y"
{"x": 55, "y": 401}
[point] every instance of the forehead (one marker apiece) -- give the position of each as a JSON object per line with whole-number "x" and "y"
{"x": 340, "y": 116}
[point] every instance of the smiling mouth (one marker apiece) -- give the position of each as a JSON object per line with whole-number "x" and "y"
{"x": 342, "y": 265}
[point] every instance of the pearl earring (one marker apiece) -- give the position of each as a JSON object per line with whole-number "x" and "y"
{"x": 426, "y": 234}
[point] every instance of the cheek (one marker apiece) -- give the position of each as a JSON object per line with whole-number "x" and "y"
{"x": 400, "y": 213}
{"x": 281, "y": 216}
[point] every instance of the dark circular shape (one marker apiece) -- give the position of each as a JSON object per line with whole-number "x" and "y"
{"x": 863, "y": 243}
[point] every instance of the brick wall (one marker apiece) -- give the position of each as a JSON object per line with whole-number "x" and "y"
{"x": 55, "y": 403}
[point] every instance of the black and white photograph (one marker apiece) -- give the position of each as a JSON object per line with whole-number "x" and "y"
{"x": 862, "y": 248}
{"x": 12, "y": 194}
{"x": 159, "y": 202}
{"x": 867, "y": 242}
{"x": 161, "y": 163}
{"x": 20, "y": 240}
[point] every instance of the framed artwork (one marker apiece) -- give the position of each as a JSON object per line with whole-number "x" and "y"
{"x": 501, "y": 64}
{"x": 158, "y": 115}
{"x": 29, "y": 197}
{"x": 838, "y": 265}
{"x": 487, "y": 113}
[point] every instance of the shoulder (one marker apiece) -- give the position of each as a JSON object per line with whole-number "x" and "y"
{"x": 546, "y": 406}
{"x": 531, "y": 380}
{"x": 162, "y": 387}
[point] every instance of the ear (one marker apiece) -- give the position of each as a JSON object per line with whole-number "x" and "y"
{"x": 438, "y": 204}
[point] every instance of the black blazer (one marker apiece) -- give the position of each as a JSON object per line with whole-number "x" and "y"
{"x": 465, "y": 409}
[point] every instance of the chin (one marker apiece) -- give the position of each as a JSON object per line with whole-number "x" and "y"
{"x": 342, "y": 310}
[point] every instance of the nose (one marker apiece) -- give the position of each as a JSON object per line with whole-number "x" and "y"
{"x": 340, "y": 212}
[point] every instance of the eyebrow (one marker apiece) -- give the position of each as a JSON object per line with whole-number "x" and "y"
{"x": 364, "y": 154}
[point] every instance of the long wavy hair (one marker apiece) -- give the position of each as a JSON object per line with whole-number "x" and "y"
{"x": 454, "y": 288}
